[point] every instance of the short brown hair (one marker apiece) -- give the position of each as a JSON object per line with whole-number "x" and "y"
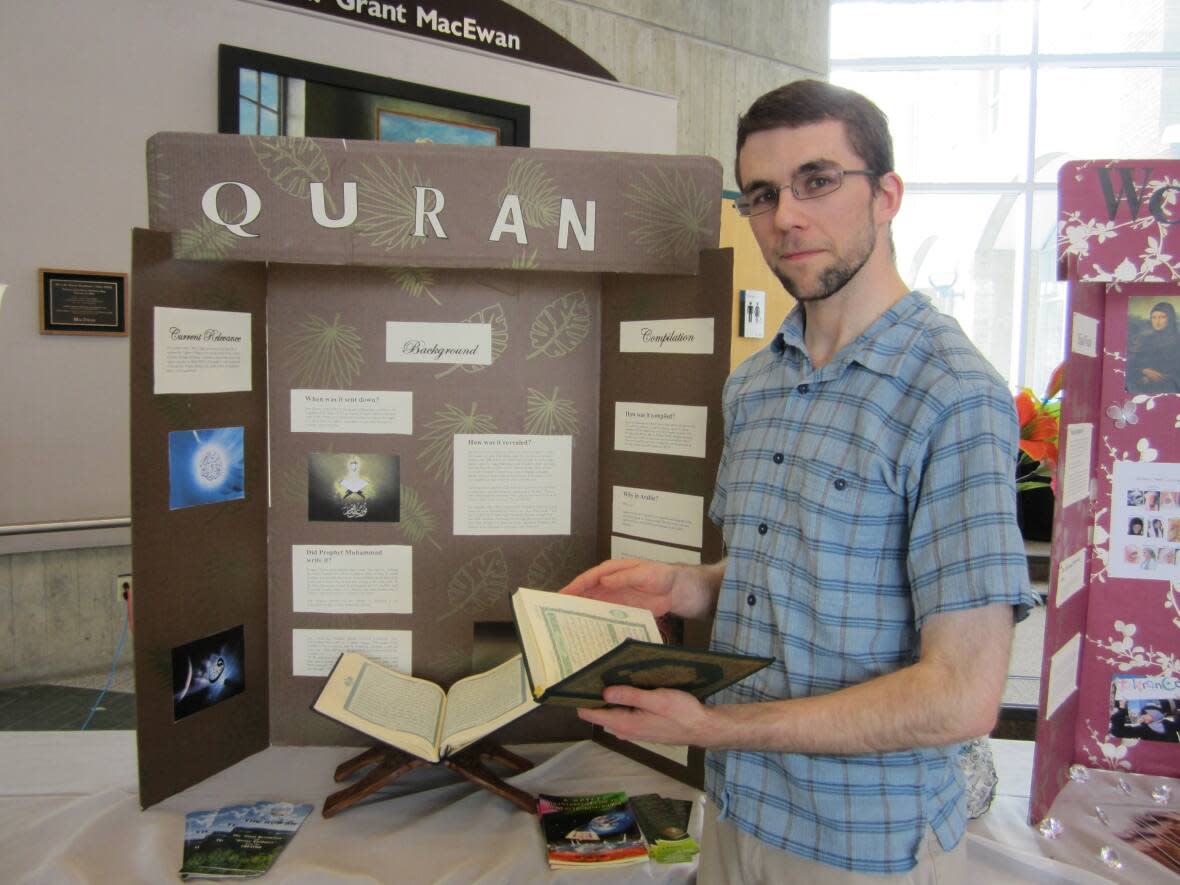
{"x": 803, "y": 102}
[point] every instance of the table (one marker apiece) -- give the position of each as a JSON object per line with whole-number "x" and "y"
{"x": 69, "y": 813}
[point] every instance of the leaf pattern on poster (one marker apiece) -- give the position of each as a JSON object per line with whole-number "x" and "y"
{"x": 478, "y": 585}
{"x": 385, "y": 204}
{"x": 672, "y": 214}
{"x": 525, "y": 261}
{"x": 417, "y": 522}
{"x": 437, "y": 456}
{"x": 159, "y": 188}
{"x": 553, "y": 567}
{"x": 493, "y": 316}
{"x": 205, "y": 241}
{"x": 539, "y": 201}
{"x": 548, "y": 415}
{"x": 323, "y": 354}
{"x": 293, "y": 164}
{"x": 414, "y": 281}
{"x": 561, "y": 326}
{"x": 449, "y": 663}
{"x": 290, "y": 484}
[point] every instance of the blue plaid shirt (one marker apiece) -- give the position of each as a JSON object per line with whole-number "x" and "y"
{"x": 857, "y": 500}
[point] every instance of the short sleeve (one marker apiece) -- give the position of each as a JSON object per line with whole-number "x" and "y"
{"x": 965, "y": 548}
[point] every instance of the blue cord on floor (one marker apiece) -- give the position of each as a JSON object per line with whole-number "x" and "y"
{"x": 114, "y": 665}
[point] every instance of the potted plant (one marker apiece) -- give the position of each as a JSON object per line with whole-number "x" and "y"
{"x": 1036, "y": 466}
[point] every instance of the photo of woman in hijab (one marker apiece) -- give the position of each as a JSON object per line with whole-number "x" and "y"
{"x": 1153, "y": 358}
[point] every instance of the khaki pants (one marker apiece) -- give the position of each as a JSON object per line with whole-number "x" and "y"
{"x": 730, "y": 856}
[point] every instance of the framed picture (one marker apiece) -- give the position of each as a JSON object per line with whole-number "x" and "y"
{"x": 403, "y": 126}
{"x": 264, "y": 94}
{"x": 83, "y": 302}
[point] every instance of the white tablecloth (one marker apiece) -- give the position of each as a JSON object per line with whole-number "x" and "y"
{"x": 69, "y": 813}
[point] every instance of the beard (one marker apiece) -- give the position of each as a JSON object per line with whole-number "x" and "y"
{"x": 833, "y": 279}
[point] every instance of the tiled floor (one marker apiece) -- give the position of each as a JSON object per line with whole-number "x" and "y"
{"x": 66, "y": 705}
{"x": 62, "y": 708}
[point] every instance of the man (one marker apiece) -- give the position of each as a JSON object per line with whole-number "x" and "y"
{"x": 867, "y": 502}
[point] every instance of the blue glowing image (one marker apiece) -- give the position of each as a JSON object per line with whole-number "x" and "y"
{"x": 206, "y": 466}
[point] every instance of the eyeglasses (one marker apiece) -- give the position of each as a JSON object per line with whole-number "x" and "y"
{"x": 804, "y": 185}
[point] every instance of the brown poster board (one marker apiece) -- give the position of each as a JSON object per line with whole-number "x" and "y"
{"x": 327, "y": 333}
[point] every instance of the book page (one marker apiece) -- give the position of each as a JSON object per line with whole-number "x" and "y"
{"x": 400, "y": 710}
{"x": 561, "y": 634}
{"x": 480, "y": 704}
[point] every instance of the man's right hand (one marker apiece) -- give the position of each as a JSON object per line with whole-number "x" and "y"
{"x": 683, "y": 590}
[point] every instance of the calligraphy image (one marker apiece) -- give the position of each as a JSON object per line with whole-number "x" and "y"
{"x": 208, "y": 671}
{"x": 353, "y": 487}
{"x": 206, "y": 466}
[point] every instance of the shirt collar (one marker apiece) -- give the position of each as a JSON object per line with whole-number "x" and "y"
{"x": 881, "y": 348}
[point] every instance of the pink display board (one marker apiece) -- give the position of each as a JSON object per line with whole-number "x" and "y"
{"x": 1110, "y": 680}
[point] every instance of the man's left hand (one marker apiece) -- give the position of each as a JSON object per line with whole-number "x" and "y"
{"x": 662, "y": 715}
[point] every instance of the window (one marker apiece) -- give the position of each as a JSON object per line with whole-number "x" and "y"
{"x": 986, "y": 99}
{"x": 260, "y": 110}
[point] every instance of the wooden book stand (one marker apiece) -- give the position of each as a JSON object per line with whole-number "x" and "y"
{"x": 388, "y": 764}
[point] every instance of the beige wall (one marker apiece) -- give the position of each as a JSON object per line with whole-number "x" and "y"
{"x": 715, "y": 56}
{"x": 72, "y": 201}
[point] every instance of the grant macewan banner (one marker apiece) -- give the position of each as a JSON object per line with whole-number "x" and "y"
{"x": 328, "y": 201}
{"x": 489, "y": 25}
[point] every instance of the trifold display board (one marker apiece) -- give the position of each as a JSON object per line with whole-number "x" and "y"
{"x": 1110, "y": 681}
{"x": 375, "y": 388}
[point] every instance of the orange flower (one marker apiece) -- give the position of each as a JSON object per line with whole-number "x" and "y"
{"x": 1039, "y": 419}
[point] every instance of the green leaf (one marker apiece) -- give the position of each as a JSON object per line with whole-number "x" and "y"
{"x": 493, "y": 316}
{"x": 540, "y": 202}
{"x": 437, "y": 456}
{"x": 561, "y": 326}
{"x": 549, "y": 414}
{"x": 553, "y": 567}
{"x": 323, "y": 354}
{"x": 417, "y": 522}
{"x": 293, "y": 164}
{"x": 205, "y": 241}
{"x": 672, "y": 214}
{"x": 478, "y": 585}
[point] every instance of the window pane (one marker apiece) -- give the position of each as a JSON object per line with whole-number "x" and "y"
{"x": 1067, "y": 26}
{"x": 294, "y": 106}
{"x": 269, "y": 91}
{"x": 248, "y": 83}
{"x": 1045, "y": 312}
{"x": 966, "y": 252}
{"x": 1106, "y": 113}
{"x": 971, "y": 27}
{"x": 952, "y": 125}
{"x": 247, "y": 117}
{"x": 268, "y": 122}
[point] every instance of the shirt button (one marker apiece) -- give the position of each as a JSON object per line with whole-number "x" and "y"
{"x": 751, "y": 599}
{"x": 763, "y": 528}
{"x": 778, "y": 457}
{"x": 840, "y": 484}
{"x": 803, "y": 388}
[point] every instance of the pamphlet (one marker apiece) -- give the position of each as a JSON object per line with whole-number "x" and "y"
{"x": 238, "y": 841}
{"x": 596, "y": 829}
{"x": 664, "y": 824}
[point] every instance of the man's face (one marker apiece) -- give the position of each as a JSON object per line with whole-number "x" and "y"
{"x": 813, "y": 246}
